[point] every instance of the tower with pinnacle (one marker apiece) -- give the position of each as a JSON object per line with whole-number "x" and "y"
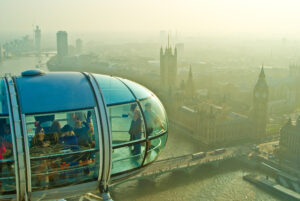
{"x": 260, "y": 106}
{"x": 37, "y": 38}
{"x": 168, "y": 67}
{"x": 189, "y": 86}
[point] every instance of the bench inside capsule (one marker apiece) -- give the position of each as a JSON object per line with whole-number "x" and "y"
{"x": 65, "y": 129}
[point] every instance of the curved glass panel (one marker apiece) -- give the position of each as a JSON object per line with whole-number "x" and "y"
{"x": 156, "y": 146}
{"x": 127, "y": 124}
{"x": 54, "y": 92}
{"x": 7, "y": 171}
{"x": 127, "y": 158}
{"x": 139, "y": 91}
{"x": 155, "y": 116}
{"x": 113, "y": 90}
{"x": 7, "y": 161}
{"x": 64, "y": 148}
{"x": 3, "y": 98}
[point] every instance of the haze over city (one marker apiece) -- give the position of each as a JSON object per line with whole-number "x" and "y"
{"x": 194, "y": 17}
{"x": 150, "y": 100}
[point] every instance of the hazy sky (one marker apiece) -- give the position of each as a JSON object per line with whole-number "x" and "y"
{"x": 266, "y": 17}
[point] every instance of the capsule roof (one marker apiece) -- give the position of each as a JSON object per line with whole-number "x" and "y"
{"x": 41, "y": 92}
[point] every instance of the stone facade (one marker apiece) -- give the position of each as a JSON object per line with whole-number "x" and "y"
{"x": 168, "y": 68}
{"x": 290, "y": 142}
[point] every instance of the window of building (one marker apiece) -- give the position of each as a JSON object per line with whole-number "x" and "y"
{"x": 63, "y": 148}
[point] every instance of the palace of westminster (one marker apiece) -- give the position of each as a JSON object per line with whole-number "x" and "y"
{"x": 215, "y": 125}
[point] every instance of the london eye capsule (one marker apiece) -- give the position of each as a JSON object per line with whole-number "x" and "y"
{"x": 67, "y": 133}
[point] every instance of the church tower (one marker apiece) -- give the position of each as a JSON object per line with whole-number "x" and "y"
{"x": 168, "y": 67}
{"x": 260, "y": 106}
{"x": 189, "y": 87}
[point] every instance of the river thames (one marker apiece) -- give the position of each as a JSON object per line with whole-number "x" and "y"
{"x": 223, "y": 183}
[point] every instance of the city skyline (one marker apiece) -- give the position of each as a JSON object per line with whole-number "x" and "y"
{"x": 219, "y": 18}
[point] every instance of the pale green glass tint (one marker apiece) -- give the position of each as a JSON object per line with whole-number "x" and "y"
{"x": 155, "y": 116}
{"x": 121, "y": 120}
{"x": 113, "y": 90}
{"x": 156, "y": 145}
{"x": 127, "y": 158}
{"x": 139, "y": 91}
{"x": 67, "y": 152}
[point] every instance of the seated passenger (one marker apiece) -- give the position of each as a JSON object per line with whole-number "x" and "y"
{"x": 6, "y": 151}
{"x": 68, "y": 138}
{"x": 54, "y": 133}
{"x": 45, "y": 121}
{"x": 39, "y": 140}
{"x": 2, "y": 150}
{"x": 7, "y": 140}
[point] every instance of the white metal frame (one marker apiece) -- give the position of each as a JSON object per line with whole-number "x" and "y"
{"x": 17, "y": 139}
{"x": 106, "y": 132}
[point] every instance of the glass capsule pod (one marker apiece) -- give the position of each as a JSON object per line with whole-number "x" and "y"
{"x": 66, "y": 133}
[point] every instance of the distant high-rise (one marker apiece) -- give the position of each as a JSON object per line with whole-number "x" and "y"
{"x": 62, "y": 43}
{"x": 260, "y": 106}
{"x": 1, "y": 53}
{"x": 37, "y": 38}
{"x": 168, "y": 67}
{"x": 78, "y": 46}
{"x": 180, "y": 50}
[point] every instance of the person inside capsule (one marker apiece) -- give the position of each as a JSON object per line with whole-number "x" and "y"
{"x": 6, "y": 141}
{"x": 54, "y": 133}
{"x": 39, "y": 140}
{"x": 136, "y": 131}
{"x": 152, "y": 119}
{"x": 71, "y": 153}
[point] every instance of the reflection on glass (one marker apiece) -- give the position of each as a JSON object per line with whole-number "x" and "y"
{"x": 126, "y": 122}
{"x": 128, "y": 157}
{"x": 63, "y": 148}
{"x": 7, "y": 171}
{"x": 155, "y": 147}
{"x": 155, "y": 116}
{"x": 3, "y": 98}
{"x": 139, "y": 91}
{"x": 113, "y": 90}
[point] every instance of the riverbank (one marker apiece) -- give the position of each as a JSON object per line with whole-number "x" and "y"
{"x": 272, "y": 187}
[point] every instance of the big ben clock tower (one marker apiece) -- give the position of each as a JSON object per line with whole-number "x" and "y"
{"x": 260, "y": 106}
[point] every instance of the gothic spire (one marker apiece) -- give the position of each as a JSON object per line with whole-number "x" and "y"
{"x": 168, "y": 40}
{"x": 190, "y": 73}
{"x": 262, "y": 73}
